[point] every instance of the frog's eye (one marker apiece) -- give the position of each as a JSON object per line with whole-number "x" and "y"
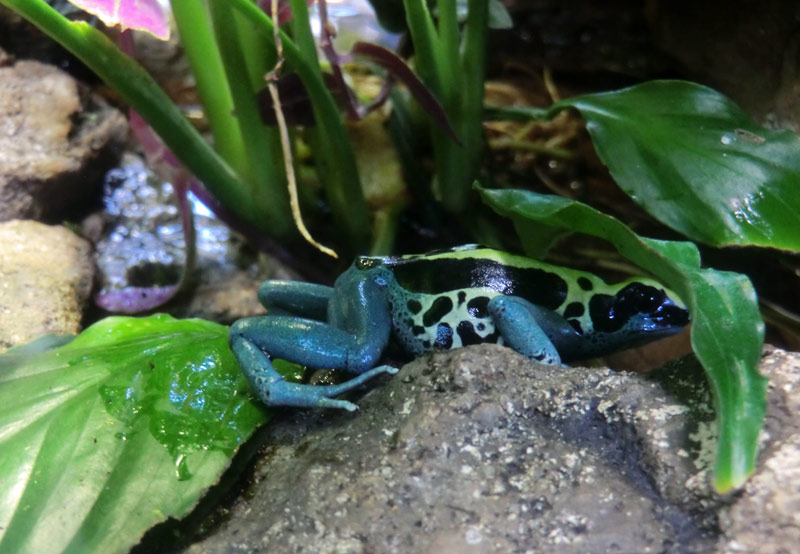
{"x": 367, "y": 262}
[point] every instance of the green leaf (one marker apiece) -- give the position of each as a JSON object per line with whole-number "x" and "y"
{"x": 697, "y": 163}
{"x": 727, "y": 330}
{"x": 119, "y": 429}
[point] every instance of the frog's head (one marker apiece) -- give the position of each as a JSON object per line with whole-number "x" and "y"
{"x": 637, "y": 310}
{"x": 375, "y": 270}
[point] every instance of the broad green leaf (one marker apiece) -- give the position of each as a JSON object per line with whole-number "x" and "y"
{"x": 697, "y": 163}
{"x": 119, "y": 429}
{"x": 727, "y": 330}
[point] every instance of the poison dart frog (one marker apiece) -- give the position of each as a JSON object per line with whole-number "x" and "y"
{"x": 442, "y": 300}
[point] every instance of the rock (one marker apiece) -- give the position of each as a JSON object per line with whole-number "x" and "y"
{"x": 56, "y": 141}
{"x": 45, "y": 278}
{"x": 479, "y": 450}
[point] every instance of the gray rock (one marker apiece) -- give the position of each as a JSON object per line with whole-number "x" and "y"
{"x": 46, "y": 275}
{"x": 56, "y": 141}
{"x": 480, "y": 450}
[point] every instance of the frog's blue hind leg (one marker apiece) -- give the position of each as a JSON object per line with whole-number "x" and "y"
{"x": 525, "y": 327}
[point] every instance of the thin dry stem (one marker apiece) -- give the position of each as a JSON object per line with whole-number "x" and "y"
{"x": 286, "y": 147}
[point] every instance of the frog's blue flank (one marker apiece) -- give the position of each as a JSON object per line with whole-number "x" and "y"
{"x": 442, "y": 300}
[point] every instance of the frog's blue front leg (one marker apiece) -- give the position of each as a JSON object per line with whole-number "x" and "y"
{"x": 295, "y": 298}
{"x": 251, "y": 337}
{"x": 525, "y": 328}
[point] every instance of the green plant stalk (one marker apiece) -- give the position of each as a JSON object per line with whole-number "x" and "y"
{"x": 449, "y": 42}
{"x": 428, "y": 59}
{"x": 333, "y": 154}
{"x": 465, "y": 160}
{"x": 259, "y": 53}
{"x": 201, "y": 50}
{"x": 265, "y": 176}
{"x": 334, "y": 157}
{"x": 142, "y": 93}
{"x": 385, "y": 229}
{"x": 456, "y": 76}
{"x": 303, "y": 35}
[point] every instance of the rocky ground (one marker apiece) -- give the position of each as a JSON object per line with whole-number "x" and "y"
{"x": 479, "y": 450}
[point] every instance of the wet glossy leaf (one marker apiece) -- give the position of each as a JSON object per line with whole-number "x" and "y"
{"x": 119, "y": 429}
{"x": 696, "y": 162}
{"x": 727, "y": 330}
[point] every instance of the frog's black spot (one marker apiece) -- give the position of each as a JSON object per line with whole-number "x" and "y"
{"x": 426, "y": 344}
{"x": 462, "y": 296}
{"x": 444, "y": 336}
{"x": 418, "y": 330}
{"x": 439, "y": 276}
{"x": 478, "y": 307}
{"x": 585, "y": 284}
{"x": 414, "y": 306}
{"x": 468, "y": 335}
{"x": 440, "y": 308}
{"x": 576, "y": 325}
{"x": 574, "y": 309}
{"x": 481, "y": 326}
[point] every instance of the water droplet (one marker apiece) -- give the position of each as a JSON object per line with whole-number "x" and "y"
{"x": 726, "y": 139}
{"x": 182, "y": 468}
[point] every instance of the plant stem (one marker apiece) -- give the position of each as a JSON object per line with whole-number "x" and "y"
{"x": 201, "y": 50}
{"x": 262, "y": 145}
{"x": 456, "y": 76}
{"x": 335, "y": 160}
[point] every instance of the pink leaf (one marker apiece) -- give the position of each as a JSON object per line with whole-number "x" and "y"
{"x": 142, "y": 15}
